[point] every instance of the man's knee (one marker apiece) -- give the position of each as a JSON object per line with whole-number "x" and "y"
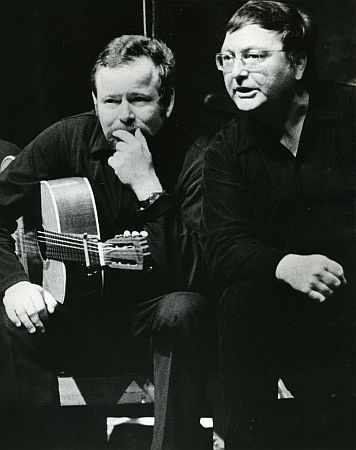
{"x": 15, "y": 340}
{"x": 6, "y": 326}
{"x": 181, "y": 315}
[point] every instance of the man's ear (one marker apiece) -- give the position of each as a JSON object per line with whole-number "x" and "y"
{"x": 300, "y": 63}
{"x": 169, "y": 108}
{"x": 95, "y": 101}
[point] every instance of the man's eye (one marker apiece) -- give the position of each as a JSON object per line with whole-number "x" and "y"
{"x": 253, "y": 55}
{"x": 111, "y": 101}
{"x": 140, "y": 100}
{"x": 227, "y": 58}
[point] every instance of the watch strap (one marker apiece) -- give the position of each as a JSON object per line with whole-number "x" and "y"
{"x": 151, "y": 199}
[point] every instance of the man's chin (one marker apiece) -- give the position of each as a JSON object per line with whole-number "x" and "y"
{"x": 112, "y": 141}
{"x": 247, "y": 104}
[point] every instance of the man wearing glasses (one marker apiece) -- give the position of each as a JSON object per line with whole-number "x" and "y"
{"x": 279, "y": 229}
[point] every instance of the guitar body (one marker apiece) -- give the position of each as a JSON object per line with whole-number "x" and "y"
{"x": 68, "y": 207}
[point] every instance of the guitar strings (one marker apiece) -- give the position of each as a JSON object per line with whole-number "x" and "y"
{"x": 77, "y": 254}
{"x": 64, "y": 237}
{"x": 72, "y": 239}
{"x": 92, "y": 247}
{"x": 31, "y": 245}
{"x": 63, "y": 242}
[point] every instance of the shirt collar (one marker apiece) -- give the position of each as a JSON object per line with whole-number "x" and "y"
{"x": 252, "y": 133}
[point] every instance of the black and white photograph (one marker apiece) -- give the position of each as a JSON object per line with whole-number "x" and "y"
{"x": 178, "y": 225}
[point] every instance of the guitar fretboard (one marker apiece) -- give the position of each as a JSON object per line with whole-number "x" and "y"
{"x": 65, "y": 247}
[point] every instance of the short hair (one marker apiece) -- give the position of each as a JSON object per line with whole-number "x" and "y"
{"x": 125, "y": 49}
{"x": 294, "y": 25}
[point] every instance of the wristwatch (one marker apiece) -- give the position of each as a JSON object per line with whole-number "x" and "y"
{"x": 151, "y": 199}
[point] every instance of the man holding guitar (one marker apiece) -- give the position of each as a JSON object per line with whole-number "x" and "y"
{"x": 144, "y": 174}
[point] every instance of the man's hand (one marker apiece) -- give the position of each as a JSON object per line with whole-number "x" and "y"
{"x": 28, "y": 304}
{"x": 132, "y": 163}
{"x": 314, "y": 275}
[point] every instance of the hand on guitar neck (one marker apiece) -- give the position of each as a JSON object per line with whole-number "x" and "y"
{"x": 28, "y": 304}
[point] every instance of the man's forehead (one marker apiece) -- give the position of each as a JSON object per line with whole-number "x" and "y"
{"x": 140, "y": 72}
{"x": 251, "y": 36}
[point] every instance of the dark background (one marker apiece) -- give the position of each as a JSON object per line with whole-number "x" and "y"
{"x": 48, "y": 47}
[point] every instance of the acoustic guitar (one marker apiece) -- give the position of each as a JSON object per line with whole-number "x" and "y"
{"x": 59, "y": 256}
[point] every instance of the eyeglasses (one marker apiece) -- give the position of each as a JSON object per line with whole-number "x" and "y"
{"x": 251, "y": 59}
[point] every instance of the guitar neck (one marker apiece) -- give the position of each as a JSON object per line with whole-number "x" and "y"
{"x": 65, "y": 247}
{"x": 120, "y": 252}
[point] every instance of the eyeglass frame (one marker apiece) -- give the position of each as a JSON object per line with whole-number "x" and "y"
{"x": 240, "y": 56}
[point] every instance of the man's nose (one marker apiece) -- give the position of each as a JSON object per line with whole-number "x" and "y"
{"x": 126, "y": 114}
{"x": 239, "y": 69}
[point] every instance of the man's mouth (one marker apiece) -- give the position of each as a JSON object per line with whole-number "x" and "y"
{"x": 242, "y": 90}
{"x": 245, "y": 92}
{"x": 113, "y": 138}
{"x": 129, "y": 130}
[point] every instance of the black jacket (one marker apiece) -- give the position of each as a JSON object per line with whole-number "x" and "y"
{"x": 76, "y": 146}
{"x": 261, "y": 203}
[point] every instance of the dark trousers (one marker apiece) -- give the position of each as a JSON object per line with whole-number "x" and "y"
{"x": 170, "y": 331}
{"x": 272, "y": 332}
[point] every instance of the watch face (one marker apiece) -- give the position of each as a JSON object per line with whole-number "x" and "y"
{"x": 151, "y": 199}
{"x": 154, "y": 196}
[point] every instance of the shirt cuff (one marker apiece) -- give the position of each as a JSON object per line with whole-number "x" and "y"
{"x": 265, "y": 264}
{"x": 156, "y": 209}
{"x": 11, "y": 280}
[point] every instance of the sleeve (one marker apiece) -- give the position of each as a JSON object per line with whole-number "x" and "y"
{"x": 18, "y": 185}
{"x": 233, "y": 248}
{"x": 172, "y": 224}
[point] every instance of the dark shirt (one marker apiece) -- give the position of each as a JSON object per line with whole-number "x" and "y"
{"x": 76, "y": 146}
{"x": 261, "y": 203}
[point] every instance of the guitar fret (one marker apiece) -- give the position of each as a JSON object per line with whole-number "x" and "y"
{"x": 62, "y": 247}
